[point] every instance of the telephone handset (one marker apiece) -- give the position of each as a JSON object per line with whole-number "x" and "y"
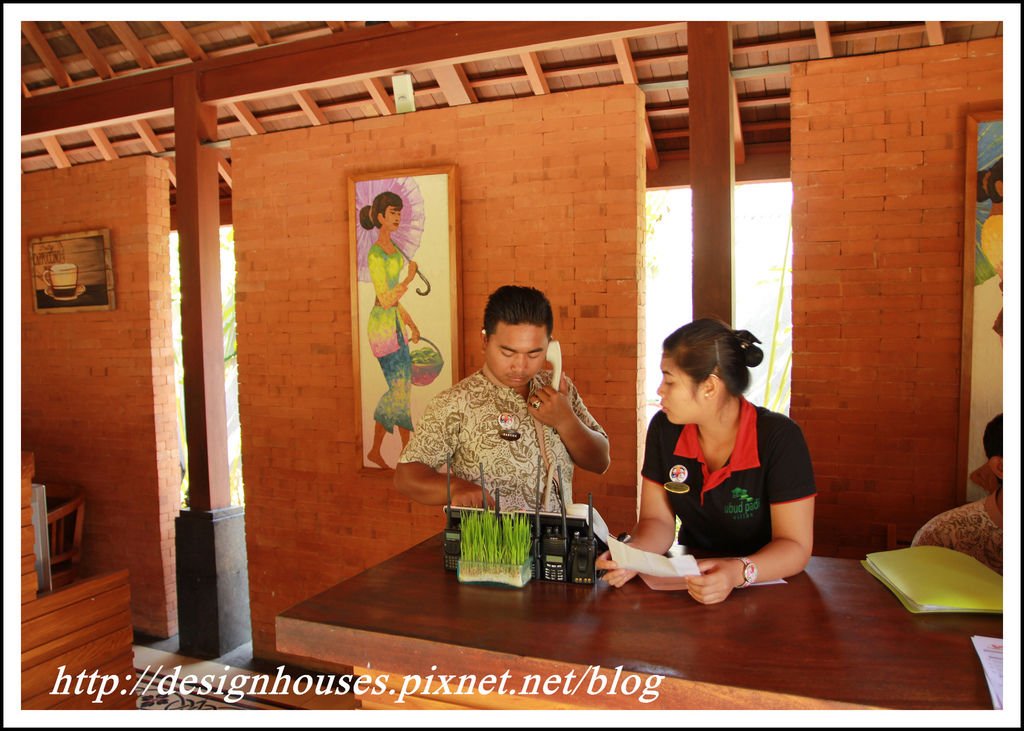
{"x": 554, "y": 356}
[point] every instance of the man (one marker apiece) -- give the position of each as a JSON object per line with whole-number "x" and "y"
{"x": 506, "y": 417}
{"x": 976, "y": 528}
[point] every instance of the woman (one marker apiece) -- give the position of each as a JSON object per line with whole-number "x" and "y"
{"x": 387, "y": 336}
{"x": 737, "y": 476}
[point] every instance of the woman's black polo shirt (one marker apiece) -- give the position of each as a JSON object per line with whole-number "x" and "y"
{"x": 728, "y": 512}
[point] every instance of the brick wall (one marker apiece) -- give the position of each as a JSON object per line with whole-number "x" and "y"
{"x": 551, "y": 192}
{"x": 878, "y": 146}
{"x": 97, "y": 387}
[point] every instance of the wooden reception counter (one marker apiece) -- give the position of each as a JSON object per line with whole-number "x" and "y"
{"x": 832, "y": 637}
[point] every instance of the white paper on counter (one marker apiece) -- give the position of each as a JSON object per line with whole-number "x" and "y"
{"x": 990, "y": 651}
{"x": 651, "y": 564}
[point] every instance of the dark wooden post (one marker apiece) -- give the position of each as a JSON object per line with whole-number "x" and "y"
{"x": 198, "y": 207}
{"x": 211, "y": 570}
{"x": 712, "y": 167}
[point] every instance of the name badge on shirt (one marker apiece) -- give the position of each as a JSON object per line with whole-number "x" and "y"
{"x": 677, "y": 476}
{"x": 508, "y": 426}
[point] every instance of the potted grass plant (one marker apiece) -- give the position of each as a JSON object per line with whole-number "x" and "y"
{"x": 495, "y": 549}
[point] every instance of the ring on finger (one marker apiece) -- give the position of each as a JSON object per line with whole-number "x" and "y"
{"x": 535, "y": 403}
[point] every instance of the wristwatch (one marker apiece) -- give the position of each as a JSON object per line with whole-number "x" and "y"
{"x": 749, "y": 572}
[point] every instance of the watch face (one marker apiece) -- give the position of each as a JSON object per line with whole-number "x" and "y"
{"x": 750, "y": 573}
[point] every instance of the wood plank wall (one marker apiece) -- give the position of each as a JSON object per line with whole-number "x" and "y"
{"x": 84, "y": 627}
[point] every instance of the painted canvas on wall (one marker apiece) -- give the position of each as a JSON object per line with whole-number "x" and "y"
{"x": 404, "y": 302}
{"x": 72, "y": 272}
{"x": 983, "y": 292}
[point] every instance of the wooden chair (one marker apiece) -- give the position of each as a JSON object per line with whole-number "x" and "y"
{"x": 65, "y": 518}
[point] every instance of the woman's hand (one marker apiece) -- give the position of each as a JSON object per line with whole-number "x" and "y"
{"x": 614, "y": 576}
{"x": 718, "y": 577}
{"x": 414, "y": 332}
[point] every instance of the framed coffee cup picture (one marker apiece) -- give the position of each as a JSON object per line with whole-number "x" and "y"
{"x": 72, "y": 272}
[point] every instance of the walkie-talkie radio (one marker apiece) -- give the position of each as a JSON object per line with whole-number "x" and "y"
{"x": 584, "y": 551}
{"x": 452, "y": 534}
{"x": 554, "y": 545}
{"x": 535, "y": 545}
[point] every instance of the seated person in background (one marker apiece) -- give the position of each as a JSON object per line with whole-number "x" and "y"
{"x": 976, "y": 528}
{"x": 738, "y": 476}
{"x": 506, "y": 417}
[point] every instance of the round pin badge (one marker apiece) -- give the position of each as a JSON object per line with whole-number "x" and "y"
{"x": 508, "y": 426}
{"x": 678, "y": 475}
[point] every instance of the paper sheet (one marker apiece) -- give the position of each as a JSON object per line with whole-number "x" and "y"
{"x": 651, "y": 564}
{"x": 580, "y": 510}
{"x": 990, "y": 651}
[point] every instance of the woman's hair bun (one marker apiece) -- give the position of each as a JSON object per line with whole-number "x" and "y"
{"x": 752, "y": 355}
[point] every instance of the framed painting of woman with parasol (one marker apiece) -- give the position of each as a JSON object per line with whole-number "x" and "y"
{"x": 404, "y": 302}
{"x": 981, "y": 379}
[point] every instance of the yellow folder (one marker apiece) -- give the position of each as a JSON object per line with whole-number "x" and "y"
{"x": 936, "y": 579}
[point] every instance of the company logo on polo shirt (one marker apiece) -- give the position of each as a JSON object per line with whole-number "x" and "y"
{"x": 742, "y": 506}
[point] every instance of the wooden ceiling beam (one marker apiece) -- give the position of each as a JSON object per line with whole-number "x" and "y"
{"x": 892, "y": 30}
{"x": 281, "y": 68}
{"x": 534, "y": 72}
{"x": 337, "y": 26}
{"x": 148, "y": 136}
{"x": 625, "y": 60}
{"x": 577, "y": 69}
{"x": 764, "y": 148}
{"x": 245, "y": 116}
{"x": 131, "y": 42}
{"x": 650, "y": 148}
{"x": 184, "y": 39}
{"x": 102, "y": 142}
{"x": 454, "y": 84}
{"x": 764, "y": 101}
{"x": 823, "y": 39}
{"x": 382, "y": 101}
{"x": 85, "y": 44}
{"x": 257, "y": 32}
{"x": 42, "y": 48}
{"x": 382, "y": 50}
{"x": 310, "y": 107}
{"x": 56, "y": 152}
{"x": 781, "y": 44}
{"x": 667, "y": 110}
{"x": 768, "y": 124}
{"x": 224, "y": 169}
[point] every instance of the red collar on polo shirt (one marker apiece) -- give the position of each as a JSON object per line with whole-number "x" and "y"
{"x": 744, "y": 454}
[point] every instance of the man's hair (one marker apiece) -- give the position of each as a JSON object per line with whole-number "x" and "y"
{"x": 517, "y": 306}
{"x": 993, "y": 438}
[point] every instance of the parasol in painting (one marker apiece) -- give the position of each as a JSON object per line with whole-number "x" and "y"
{"x": 407, "y": 237}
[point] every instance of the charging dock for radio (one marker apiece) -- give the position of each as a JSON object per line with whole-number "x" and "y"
{"x": 564, "y": 546}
